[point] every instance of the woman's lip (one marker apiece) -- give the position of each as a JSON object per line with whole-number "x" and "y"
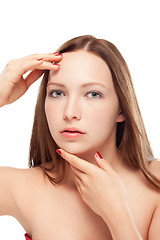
{"x": 72, "y": 129}
{"x": 75, "y": 134}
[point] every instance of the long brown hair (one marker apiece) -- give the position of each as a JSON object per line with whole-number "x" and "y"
{"x": 131, "y": 137}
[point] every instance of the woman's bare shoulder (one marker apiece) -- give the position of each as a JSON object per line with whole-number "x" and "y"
{"x": 15, "y": 186}
{"x": 154, "y": 167}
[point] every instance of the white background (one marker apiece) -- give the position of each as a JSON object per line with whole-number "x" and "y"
{"x": 28, "y": 27}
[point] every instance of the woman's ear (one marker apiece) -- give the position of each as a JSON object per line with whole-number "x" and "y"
{"x": 120, "y": 117}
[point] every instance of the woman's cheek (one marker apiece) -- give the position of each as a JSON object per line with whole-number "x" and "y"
{"x": 50, "y": 116}
{"x": 104, "y": 118}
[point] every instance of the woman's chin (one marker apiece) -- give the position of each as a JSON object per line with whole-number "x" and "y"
{"x": 75, "y": 151}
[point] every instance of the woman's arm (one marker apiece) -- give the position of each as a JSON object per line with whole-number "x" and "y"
{"x": 126, "y": 226}
{"x": 7, "y": 179}
{"x": 12, "y": 87}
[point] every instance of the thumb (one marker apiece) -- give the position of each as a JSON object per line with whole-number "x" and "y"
{"x": 104, "y": 164}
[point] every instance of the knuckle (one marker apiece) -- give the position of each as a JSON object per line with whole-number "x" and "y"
{"x": 85, "y": 180}
{"x": 35, "y": 55}
{"x": 84, "y": 191}
{"x": 10, "y": 63}
{"x": 93, "y": 173}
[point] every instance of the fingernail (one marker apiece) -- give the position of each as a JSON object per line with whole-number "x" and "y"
{"x": 58, "y": 151}
{"x": 98, "y": 155}
{"x": 56, "y": 64}
{"x": 40, "y": 59}
{"x": 56, "y": 53}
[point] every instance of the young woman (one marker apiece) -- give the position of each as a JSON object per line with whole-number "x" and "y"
{"x": 92, "y": 174}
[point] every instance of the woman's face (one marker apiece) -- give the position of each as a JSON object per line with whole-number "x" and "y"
{"x": 81, "y": 95}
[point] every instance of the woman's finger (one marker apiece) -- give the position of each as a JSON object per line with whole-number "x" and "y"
{"x": 78, "y": 173}
{"x": 77, "y": 177}
{"x": 77, "y": 162}
{"x": 49, "y": 57}
{"x": 32, "y": 62}
{"x": 37, "y": 73}
{"x": 33, "y": 76}
{"x": 78, "y": 181}
{"x": 48, "y": 66}
{"x": 37, "y": 64}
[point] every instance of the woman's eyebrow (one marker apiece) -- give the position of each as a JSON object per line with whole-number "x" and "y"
{"x": 83, "y": 85}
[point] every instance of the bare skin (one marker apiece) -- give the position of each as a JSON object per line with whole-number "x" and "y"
{"x": 48, "y": 212}
{"x": 64, "y": 211}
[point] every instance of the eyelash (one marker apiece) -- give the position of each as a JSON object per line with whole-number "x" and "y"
{"x": 97, "y": 93}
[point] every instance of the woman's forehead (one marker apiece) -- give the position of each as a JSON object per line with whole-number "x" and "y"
{"x": 82, "y": 65}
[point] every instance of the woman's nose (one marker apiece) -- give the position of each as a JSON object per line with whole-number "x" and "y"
{"x": 72, "y": 109}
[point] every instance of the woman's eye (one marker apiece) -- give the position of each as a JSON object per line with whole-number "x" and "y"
{"x": 94, "y": 94}
{"x": 55, "y": 93}
{"x": 58, "y": 93}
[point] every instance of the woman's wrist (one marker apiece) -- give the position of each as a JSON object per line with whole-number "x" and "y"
{"x": 122, "y": 225}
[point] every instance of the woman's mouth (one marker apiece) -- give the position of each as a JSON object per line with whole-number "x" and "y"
{"x": 72, "y": 134}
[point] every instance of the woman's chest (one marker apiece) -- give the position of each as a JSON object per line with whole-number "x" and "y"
{"x": 66, "y": 216}
{"x": 69, "y": 218}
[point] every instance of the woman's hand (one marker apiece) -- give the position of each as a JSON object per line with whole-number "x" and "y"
{"x": 12, "y": 83}
{"x": 100, "y": 186}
